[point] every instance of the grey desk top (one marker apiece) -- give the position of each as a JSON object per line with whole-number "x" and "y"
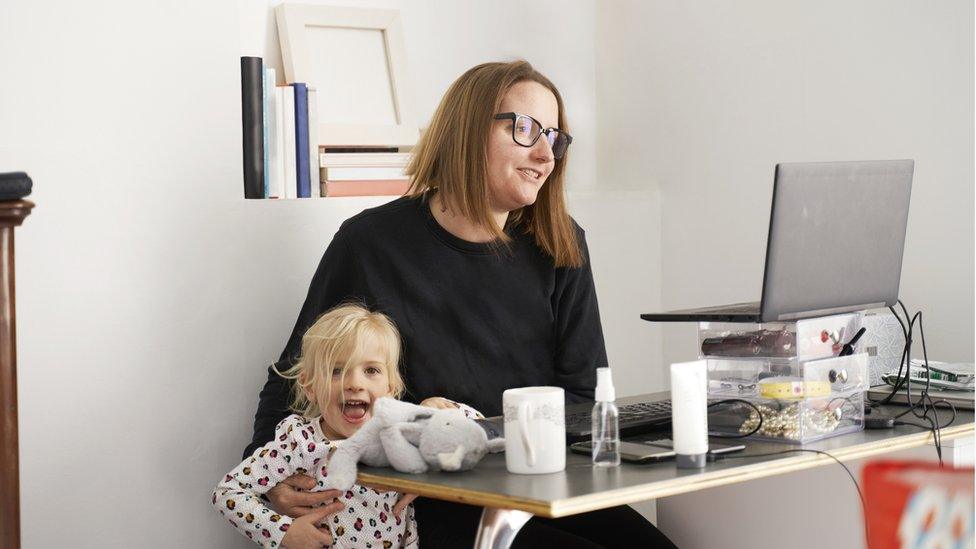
{"x": 581, "y": 487}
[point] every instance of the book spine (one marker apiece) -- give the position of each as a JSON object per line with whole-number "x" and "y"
{"x": 327, "y": 160}
{"x": 278, "y": 145}
{"x": 313, "y": 141}
{"x": 252, "y": 120}
{"x": 267, "y": 96}
{"x": 301, "y": 140}
{"x": 291, "y": 182}
{"x": 387, "y": 187}
{"x": 360, "y": 173}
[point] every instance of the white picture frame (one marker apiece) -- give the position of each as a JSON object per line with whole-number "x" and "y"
{"x": 356, "y": 60}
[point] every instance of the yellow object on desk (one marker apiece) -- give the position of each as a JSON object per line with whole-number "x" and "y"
{"x": 786, "y": 387}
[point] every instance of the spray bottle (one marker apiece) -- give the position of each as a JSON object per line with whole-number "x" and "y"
{"x": 606, "y": 430}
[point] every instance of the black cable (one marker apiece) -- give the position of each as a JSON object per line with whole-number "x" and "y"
{"x": 839, "y": 462}
{"x": 724, "y": 401}
{"x": 924, "y": 406}
{"x": 747, "y": 403}
{"x": 935, "y": 411}
{"x": 898, "y": 379}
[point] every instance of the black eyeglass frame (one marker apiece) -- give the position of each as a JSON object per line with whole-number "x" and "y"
{"x": 513, "y": 116}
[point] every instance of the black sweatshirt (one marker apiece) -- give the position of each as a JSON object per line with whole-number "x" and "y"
{"x": 475, "y": 319}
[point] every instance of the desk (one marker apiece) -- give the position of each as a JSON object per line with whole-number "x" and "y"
{"x": 510, "y": 500}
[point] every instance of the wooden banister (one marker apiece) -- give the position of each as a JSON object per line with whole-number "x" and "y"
{"x": 12, "y": 214}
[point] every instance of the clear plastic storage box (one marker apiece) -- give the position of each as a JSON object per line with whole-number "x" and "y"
{"x": 784, "y": 381}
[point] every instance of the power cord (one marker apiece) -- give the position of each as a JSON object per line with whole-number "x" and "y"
{"x": 747, "y": 403}
{"x": 839, "y": 462}
{"x": 667, "y": 422}
{"x": 924, "y": 408}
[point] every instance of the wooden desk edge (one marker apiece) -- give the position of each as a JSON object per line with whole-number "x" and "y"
{"x": 659, "y": 489}
{"x": 801, "y": 461}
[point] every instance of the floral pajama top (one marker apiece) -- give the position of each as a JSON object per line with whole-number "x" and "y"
{"x": 299, "y": 446}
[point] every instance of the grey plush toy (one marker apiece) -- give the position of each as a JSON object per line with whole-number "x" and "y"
{"x": 411, "y": 439}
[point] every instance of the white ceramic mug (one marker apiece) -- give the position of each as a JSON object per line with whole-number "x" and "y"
{"x": 535, "y": 430}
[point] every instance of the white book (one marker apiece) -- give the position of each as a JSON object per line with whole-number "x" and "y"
{"x": 364, "y": 173}
{"x": 267, "y": 96}
{"x": 313, "y": 141}
{"x": 288, "y": 129}
{"x": 327, "y": 160}
{"x": 274, "y": 168}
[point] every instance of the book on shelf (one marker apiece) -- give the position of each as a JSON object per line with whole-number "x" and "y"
{"x": 271, "y": 160}
{"x": 362, "y": 173}
{"x": 264, "y": 134}
{"x": 282, "y": 157}
{"x": 313, "y": 141}
{"x": 381, "y": 187}
{"x": 252, "y": 121}
{"x": 288, "y": 136}
{"x": 329, "y": 159}
{"x": 277, "y": 142}
{"x": 358, "y": 150}
{"x": 301, "y": 140}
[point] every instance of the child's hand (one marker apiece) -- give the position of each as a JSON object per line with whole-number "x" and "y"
{"x": 401, "y": 504}
{"x": 305, "y": 531}
{"x": 439, "y": 402}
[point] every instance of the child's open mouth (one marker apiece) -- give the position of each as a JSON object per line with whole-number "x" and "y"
{"x": 354, "y": 411}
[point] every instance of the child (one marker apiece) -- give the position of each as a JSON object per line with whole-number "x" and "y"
{"x": 349, "y": 359}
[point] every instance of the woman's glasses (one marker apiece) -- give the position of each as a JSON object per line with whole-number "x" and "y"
{"x": 527, "y": 130}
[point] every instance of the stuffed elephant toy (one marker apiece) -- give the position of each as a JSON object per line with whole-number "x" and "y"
{"x": 411, "y": 439}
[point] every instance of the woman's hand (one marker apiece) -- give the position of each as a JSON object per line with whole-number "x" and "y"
{"x": 439, "y": 402}
{"x": 305, "y": 532}
{"x": 288, "y": 497}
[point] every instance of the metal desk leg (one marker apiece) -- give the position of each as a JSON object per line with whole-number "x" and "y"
{"x": 498, "y": 527}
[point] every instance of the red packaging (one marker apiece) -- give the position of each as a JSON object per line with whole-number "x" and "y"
{"x": 917, "y": 504}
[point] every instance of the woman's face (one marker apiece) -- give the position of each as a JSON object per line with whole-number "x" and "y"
{"x": 516, "y": 173}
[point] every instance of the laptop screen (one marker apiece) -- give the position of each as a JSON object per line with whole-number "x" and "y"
{"x": 836, "y": 237}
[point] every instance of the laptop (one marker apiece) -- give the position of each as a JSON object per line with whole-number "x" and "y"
{"x": 962, "y": 400}
{"x": 836, "y": 241}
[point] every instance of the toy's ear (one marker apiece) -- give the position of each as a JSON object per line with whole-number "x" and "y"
{"x": 411, "y": 431}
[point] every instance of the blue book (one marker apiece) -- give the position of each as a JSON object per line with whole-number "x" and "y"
{"x": 301, "y": 140}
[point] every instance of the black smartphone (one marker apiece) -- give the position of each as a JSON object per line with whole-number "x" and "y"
{"x": 650, "y": 451}
{"x": 714, "y": 448}
{"x": 631, "y": 452}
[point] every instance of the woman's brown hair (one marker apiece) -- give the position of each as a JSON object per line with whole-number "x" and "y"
{"x": 452, "y": 154}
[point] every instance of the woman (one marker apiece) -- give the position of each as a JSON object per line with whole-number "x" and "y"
{"x": 487, "y": 278}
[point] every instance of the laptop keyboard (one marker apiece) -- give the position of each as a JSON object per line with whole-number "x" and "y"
{"x": 633, "y": 418}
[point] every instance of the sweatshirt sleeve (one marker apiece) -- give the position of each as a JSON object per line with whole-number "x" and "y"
{"x": 336, "y": 280}
{"x": 237, "y": 496}
{"x": 469, "y": 411}
{"x": 580, "y": 348}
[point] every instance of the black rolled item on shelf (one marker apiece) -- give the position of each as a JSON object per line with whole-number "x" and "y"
{"x": 252, "y": 107}
{"x": 15, "y": 185}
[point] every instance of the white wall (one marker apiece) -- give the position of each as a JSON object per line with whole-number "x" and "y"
{"x": 701, "y": 99}
{"x": 151, "y": 295}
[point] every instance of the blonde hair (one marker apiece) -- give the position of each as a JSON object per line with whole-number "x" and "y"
{"x": 452, "y": 157}
{"x": 341, "y": 333}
